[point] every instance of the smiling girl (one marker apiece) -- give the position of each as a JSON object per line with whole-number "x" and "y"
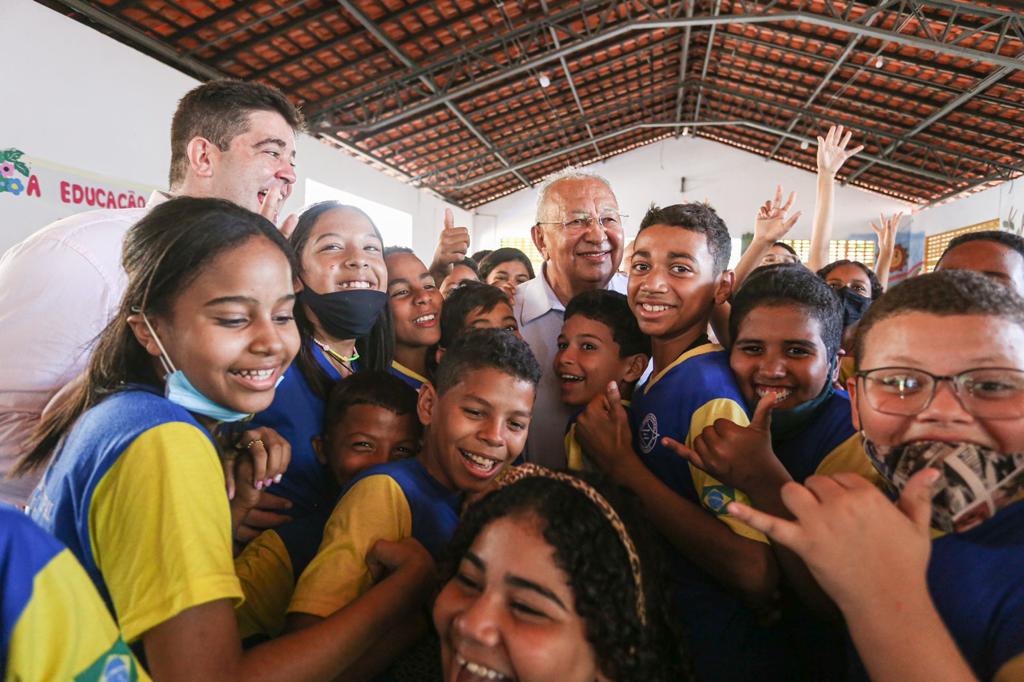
{"x": 344, "y": 326}
{"x": 415, "y": 304}
{"x": 136, "y": 489}
{"x": 550, "y": 581}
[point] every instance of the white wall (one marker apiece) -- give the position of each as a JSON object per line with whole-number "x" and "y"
{"x": 80, "y": 99}
{"x": 735, "y": 182}
{"x": 992, "y": 203}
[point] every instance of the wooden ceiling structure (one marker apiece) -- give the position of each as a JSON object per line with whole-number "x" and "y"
{"x": 476, "y": 99}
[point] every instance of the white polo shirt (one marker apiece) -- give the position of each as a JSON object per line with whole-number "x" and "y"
{"x": 539, "y": 315}
{"x": 58, "y": 289}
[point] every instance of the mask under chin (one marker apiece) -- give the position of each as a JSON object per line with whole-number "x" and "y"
{"x": 975, "y": 481}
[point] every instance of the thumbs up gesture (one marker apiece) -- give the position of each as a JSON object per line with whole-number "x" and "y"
{"x": 738, "y": 456}
{"x": 452, "y": 246}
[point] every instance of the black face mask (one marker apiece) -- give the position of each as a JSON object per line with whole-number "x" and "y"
{"x": 345, "y": 314}
{"x": 854, "y": 305}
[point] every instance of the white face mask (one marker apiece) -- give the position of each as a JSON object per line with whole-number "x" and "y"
{"x": 975, "y": 482}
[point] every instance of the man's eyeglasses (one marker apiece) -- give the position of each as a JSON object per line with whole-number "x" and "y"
{"x": 987, "y": 393}
{"x": 581, "y": 222}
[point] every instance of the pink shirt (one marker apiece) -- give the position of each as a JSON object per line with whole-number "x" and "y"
{"x": 58, "y": 290}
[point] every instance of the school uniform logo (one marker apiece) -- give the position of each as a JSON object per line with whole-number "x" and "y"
{"x": 649, "y": 433}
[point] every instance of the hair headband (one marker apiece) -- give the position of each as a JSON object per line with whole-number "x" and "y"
{"x": 518, "y": 473}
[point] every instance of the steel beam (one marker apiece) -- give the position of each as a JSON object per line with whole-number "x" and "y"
{"x": 568, "y": 77}
{"x": 873, "y": 13}
{"x": 980, "y": 86}
{"x": 692, "y": 124}
{"x": 142, "y": 39}
{"x": 684, "y": 62}
{"x": 625, "y": 28}
{"x": 707, "y": 60}
{"x": 379, "y": 35}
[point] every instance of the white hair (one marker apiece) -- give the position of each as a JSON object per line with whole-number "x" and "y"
{"x": 566, "y": 174}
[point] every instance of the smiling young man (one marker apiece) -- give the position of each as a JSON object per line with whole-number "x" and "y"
{"x": 930, "y": 587}
{"x": 475, "y": 417}
{"x": 579, "y": 233}
{"x": 229, "y": 140}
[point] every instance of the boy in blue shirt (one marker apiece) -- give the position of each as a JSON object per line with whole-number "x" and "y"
{"x": 939, "y": 396}
{"x": 600, "y": 342}
{"x": 677, "y": 276}
{"x": 475, "y": 416}
{"x": 370, "y": 419}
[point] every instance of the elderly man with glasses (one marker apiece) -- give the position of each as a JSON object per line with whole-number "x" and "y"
{"x": 579, "y": 233}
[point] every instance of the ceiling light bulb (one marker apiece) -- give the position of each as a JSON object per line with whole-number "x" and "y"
{"x": 804, "y": 145}
{"x": 543, "y": 80}
{"x": 879, "y": 63}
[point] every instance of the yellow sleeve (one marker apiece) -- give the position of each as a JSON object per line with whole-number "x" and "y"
{"x": 849, "y": 456}
{"x": 160, "y": 528}
{"x": 713, "y": 494}
{"x": 374, "y": 509}
{"x": 1011, "y": 671}
{"x": 66, "y": 632}
{"x": 264, "y": 570}
{"x": 573, "y": 451}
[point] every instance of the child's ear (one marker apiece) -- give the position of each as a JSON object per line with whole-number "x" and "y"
{"x": 839, "y": 366}
{"x": 724, "y": 288}
{"x": 636, "y": 364}
{"x": 318, "y": 449}
{"x": 425, "y": 403}
{"x": 142, "y": 333}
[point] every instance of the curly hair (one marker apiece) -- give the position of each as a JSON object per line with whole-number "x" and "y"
{"x": 783, "y": 284}
{"x": 486, "y": 348}
{"x": 876, "y": 286}
{"x": 590, "y": 552}
{"x": 696, "y": 217}
{"x": 945, "y": 292}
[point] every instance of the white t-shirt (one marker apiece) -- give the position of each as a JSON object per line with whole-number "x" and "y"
{"x": 58, "y": 290}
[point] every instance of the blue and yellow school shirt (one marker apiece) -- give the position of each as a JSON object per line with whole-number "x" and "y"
{"x": 680, "y": 402}
{"x": 976, "y": 579}
{"x": 297, "y": 414}
{"x": 53, "y": 625}
{"x": 828, "y": 444}
{"x": 267, "y": 569}
{"x": 575, "y": 458}
{"x": 136, "y": 492}
{"x": 390, "y": 501}
{"x": 413, "y": 379}
{"x": 727, "y": 639}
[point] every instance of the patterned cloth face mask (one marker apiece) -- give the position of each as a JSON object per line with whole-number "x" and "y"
{"x": 975, "y": 481}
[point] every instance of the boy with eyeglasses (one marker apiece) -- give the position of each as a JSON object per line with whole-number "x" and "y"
{"x": 939, "y": 397}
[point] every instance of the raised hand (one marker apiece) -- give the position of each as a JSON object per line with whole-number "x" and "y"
{"x": 832, "y": 151}
{"x": 858, "y": 545}
{"x": 772, "y": 224}
{"x": 271, "y": 206}
{"x": 452, "y": 245}
{"x": 603, "y": 432}
{"x": 887, "y": 232}
{"x": 738, "y": 456}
